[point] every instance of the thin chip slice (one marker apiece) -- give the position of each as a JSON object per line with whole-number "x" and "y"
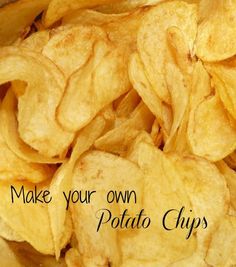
{"x": 223, "y": 77}
{"x": 153, "y": 41}
{"x": 212, "y": 135}
{"x": 102, "y": 172}
{"x": 29, "y": 220}
{"x": 70, "y": 47}
{"x": 37, "y": 106}
{"x": 7, "y": 233}
{"x": 221, "y": 251}
{"x": 218, "y": 21}
{"x": 118, "y": 139}
{"x": 11, "y": 136}
{"x": 62, "y": 181}
{"x": 21, "y": 14}
{"x": 59, "y": 8}
{"x": 103, "y": 79}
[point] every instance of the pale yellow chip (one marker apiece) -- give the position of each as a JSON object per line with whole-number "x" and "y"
{"x": 118, "y": 139}
{"x": 37, "y": 106}
{"x": 59, "y": 8}
{"x": 221, "y": 251}
{"x": 153, "y": 43}
{"x": 16, "y": 17}
{"x": 27, "y": 219}
{"x": 216, "y": 32}
{"x": 100, "y": 81}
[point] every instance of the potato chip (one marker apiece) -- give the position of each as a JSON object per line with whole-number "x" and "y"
{"x": 37, "y": 107}
{"x": 36, "y": 41}
{"x": 118, "y": 139}
{"x": 102, "y": 172}
{"x": 10, "y": 133}
{"x": 103, "y": 79}
{"x": 21, "y": 14}
{"x": 164, "y": 189}
{"x": 115, "y": 25}
{"x": 73, "y": 258}
{"x": 62, "y": 182}
{"x": 8, "y": 258}
{"x": 27, "y": 219}
{"x": 153, "y": 43}
{"x": 230, "y": 176}
{"x": 7, "y": 233}
{"x": 218, "y": 20}
{"x": 59, "y": 8}
{"x": 128, "y": 104}
{"x": 141, "y": 84}
{"x": 15, "y": 168}
{"x": 223, "y": 77}
{"x": 70, "y": 47}
{"x": 203, "y": 123}
{"x": 225, "y": 239}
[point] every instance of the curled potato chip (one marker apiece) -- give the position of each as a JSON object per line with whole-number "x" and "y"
{"x": 37, "y": 106}
{"x": 36, "y": 41}
{"x": 102, "y": 172}
{"x": 10, "y": 133}
{"x": 62, "y": 182}
{"x": 127, "y": 104}
{"x": 230, "y": 176}
{"x": 142, "y": 85}
{"x": 21, "y": 14}
{"x": 8, "y": 258}
{"x": 59, "y": 8}
{"x": 225, "y": 239}
{"x": 15, "y": 168}
{"x": 161, "y": 193}
{"x": 118, "y": 139}
{"x": 115, "y": 25}
{"x": 27, "y": 219}
{"x": 103, "y": 79}
{"x": 7, "y": 233}
{"x": 223, "y": 77}
{"x": 203, "y": 123}
{"x": 153, "y": 43}
{"x": 218, "y": 20}
{"x": 70, "y": 47}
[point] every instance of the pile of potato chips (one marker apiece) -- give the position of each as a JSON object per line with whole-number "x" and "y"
{"x": 123, "y": 95}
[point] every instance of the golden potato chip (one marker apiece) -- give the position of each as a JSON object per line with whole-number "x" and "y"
{"x": 153, "y": 43}
{"x": 225, "y": 240}
{"x": 218, "y": 20}
{"x": 102, "y": 172}
{"x": 37, "y": 124}
{"x": 70, "y": 47}
{"x": 164, "y": 189}
{"x": 8, "y": 233}
{"x": 29, "y": 220}
{"x": 10, "y": 133}
{"x": 128, "y": 104}
{"x": 20, "y": 14}
{"x": 230, "y": 176}
{"x": 118, "y": 139}
{"x": 62, "y": 182}
{"x": 8, "y": 258}
{"x": 115, "y": 25}
{"x": 141, "y": 84}
{"x": 59, "y": 8}
{"x": 202, "y": 125}
{"x": 103, "y": 79}
{"x": 73, "y": 258}
{"x": 36, "y": 41}
{"x": 223, "y": 77}
{"x": 14, "y": 168}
